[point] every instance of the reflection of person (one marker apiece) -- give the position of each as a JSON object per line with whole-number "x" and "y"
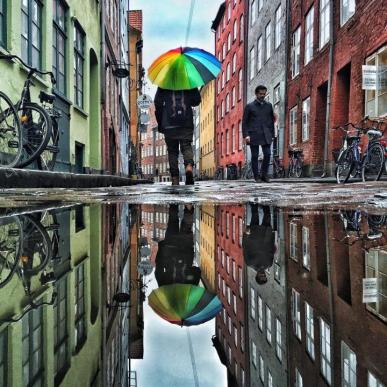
{"x": 175, "y": 255}
{"x": 175, "y": 119}
{"x": 258, "y": 241}
{"x": 258, "y": 130}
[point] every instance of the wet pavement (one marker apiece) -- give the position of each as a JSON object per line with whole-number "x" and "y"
{"x": 221, "y": 284}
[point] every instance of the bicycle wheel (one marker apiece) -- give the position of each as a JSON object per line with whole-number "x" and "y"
{"x": 373, "y": 163}
{"x": 298, "y": 168}
{"x": 47, "y": 159}
{"x": 36, "y": 248}
{"x": 344, "y": 166}
{"x": 10, "y": 134}
{"x": 291, "y": 169}
{"x": 10, "y": 244}
{"x": 36, "y": 127}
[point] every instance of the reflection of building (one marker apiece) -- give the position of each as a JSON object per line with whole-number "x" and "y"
{"x": 45, "y": 341}
{"x": 207, "y": 246}
{"x": 267, "y": 318}
{"x": 334, "y": 338}
{"x": 231, "y": 324}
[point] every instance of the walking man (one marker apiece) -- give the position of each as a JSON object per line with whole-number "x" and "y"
{"x": 258, "y": 130}
{"x": 174, "y": 116}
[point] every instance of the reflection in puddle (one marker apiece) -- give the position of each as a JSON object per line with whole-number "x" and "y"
{"x": 225, "y": 295}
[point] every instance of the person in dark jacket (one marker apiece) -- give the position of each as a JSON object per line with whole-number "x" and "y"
{"x": 258, "y": 242}
{"x": 174, "y": 259}
{"x": 175, "y": 119}
{"x": 258, "y": 130}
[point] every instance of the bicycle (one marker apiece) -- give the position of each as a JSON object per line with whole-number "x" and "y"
{"x": 247, "y": 171}
{"x": 218, "y": 174}
{"x": 34, "y": 121}
{"x": 278, "y": 168}
{"x": 296, "y": 162}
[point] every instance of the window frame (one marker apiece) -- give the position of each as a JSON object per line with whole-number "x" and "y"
{"x": 344, "y": 20}
{"x": 296, "y": 51}
{"x": 79, "y": 61}
{"x": 268, "y": 47}
{"x": 278, "y": 29}
{"x": 309, "y": 37}
{"x": 324, "y": 24}
{"x": 325, "y": 351}
{"x": 293, "y": 125}
{"x": 3, "y": 21}
{"x": 259, "y": 53}
{"x": 306, "y": 247}
{"x": 309, "y": 331}
{"x": 252, "y": 63}
{"x": 351, "y": 370}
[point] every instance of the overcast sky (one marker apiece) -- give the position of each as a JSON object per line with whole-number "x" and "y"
{"x": 165, "y": 24}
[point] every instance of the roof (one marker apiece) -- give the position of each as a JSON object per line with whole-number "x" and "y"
{"x": 135, "y": 19}
{"x": 219, "y": 16}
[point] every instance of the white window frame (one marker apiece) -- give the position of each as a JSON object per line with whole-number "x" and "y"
{"x": 260, "y": 313}
{"x": 298, "y": 381}
{"x": 235, "y": 30}
{"x": 240, "y": 280}
{"x": 278, "y": 339}
{"x": 261, "y": 369}
{"x": 293, "y": 240}
{"x": 227, "y": 103}
{"x": 235, "y": 336}
{"x": 347, "y": 10}
{"x": 268, "y": 325}
{"x": 234, "y": 63}
{"x": 233, "y": 97}
{"x": 325, "y": 351}
{"x": 296, "y": 313}
{"x": 309, "y": 330}
{"x": 229, "y": 42}
{"x": 296, "y": 49}
{"x": 253, "y": 12}
{"x": 325, "y": 16}
{"x": 252, "y": 63}
{"x": 305, "y": 247}
{"x": 305, "y": 119}
{"x": 233, "y": 148}
{"x": 268, "y": 41}
{"x": 348, "y": 366}
{"x": 373, "y": 381}
{"x": 254, "y": 353}
{"x": 240, "y": 84}
{"x": 259, "y": 53}
{"x": 240, "y": 146}
{"x": 252, "y": 304}
{"x": 278, "y": 27}
{"x": 228, "y": 72}
{"x": 293, "y": 125}
{"x": 309, "y": 39}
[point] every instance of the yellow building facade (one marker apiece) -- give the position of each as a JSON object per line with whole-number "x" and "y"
{"x": 207, "y": 131}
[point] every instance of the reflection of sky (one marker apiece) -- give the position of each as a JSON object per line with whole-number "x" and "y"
{"x": 167, "y": 360}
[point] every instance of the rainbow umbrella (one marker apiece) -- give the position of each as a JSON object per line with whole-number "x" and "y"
{"x": 184, "y": 68}
{"x": 184, "y": 304}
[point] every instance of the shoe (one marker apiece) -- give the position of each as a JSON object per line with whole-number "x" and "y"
{"x": 189, "y": 179}
{"x": 175, "y": 180}
{"x": 258, "y": 179}
{"x": 265, "y": 179}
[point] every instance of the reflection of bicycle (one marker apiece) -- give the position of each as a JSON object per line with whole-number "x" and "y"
{"x": 25, "y": 127}
{"x": 218, "y": 174}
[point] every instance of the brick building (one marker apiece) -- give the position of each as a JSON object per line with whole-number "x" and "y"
{"x": 328, "y": 44}
{"x": 231, "y": 324}
{"x": 334, "y": 338}
{"x": 229, "y": 28}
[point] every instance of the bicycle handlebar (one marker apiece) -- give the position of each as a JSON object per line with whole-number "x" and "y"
{"x": 33, "y": 69}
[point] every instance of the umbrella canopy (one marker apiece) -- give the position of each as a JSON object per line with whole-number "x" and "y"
{"x": 184, "y": 68}
{"x": 184, "y": 304}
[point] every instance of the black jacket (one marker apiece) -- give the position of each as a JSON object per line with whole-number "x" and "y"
{"x": 163, "y": 102}
{"x": 258, "y": 123}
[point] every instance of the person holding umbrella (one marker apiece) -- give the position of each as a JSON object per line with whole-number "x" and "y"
{"x": 178, "y": 74}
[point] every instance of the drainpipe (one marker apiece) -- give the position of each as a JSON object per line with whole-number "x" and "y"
{"x": 329, "y": 94}
{"x": 287, "y": 62}
{"x": 245, "y": 58}
{"x": 103, "y": 52}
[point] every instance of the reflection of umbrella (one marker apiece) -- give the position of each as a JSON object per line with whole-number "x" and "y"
{"x": 184, "y": 68}
{"x": 184, "y": 304}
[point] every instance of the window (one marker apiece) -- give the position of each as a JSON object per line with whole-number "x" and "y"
{"x": 228, "y": 264}
{"x": 241, "y": 28}
{"x": 229, "y": 11}
{"x": 228, "y": 42}
{"x": 223, "y": 256}
{"x": 252, "y": 304}
{"x": 309, "y": 36}
{"x": 240, "y": 278}
{"x": 268, "y": 324}
{"x": 240, "y": 85}
{"x": 222, "y": 109}
{"x": 269, "y": 379}
{"x": 3, "y": 24}
{"x": 60, "y": 330}
{"x": 235, "y": 30}
{"x": 260, "y": 53}
{"x": 305, "y": 248}
{"x": 31, "y": 36}
{"x": 309, "y": 326}
{"x": 33, "y": 349}
{"x": 229, "y": 325}
{"x": 252, "y": 63}
{"x": 296, "y": 52}
{"x": 324, "y": 22}
{"x": 234, "y": 303}
{"x": 260, "y": 313}
{"x": 227, "y": 103}
{"x": 372, "y": 381}
{"x": 278, "y": 339}
{"x": 79, "y": 58}
{"x": 234, "y": 63}
{"x": 268, "y": 41}
{"x": 223, "y": 79}
{"x": 240, "y": 144}
{"x": 224, "y": 51}
{"x": 228, "y": 72}
{"x": 227, "y": 142}
{"x": 254, "y": 353}
{"x": 79, "y": 313}
{"x": 278, "y": 21}
{"x": 296, "y": 313}
{"x": 376, "y": 100}
{"x": 253, "y": 11}
{"x": 260, "y": 5}
{"x": 233, "y": 148}
{"x": 325, "y": 347}
{"x": 293, "y": 126}
{"x": 348, "y": 366}
{"x": 233, "y": 270}
{"x": 261, "y": 369}
{"x": 3, "y": 357}
{"x": 219, "y": 84}
{"x": 293, "y": 240}
{"x": 242, "y": 338}
{"x": 235, "y": 336}
{"x": 347, "y": 9}
{"x": 305, "y": 119}
{"x": 59, "y": 45}
{"x": 243, "y": 377}
{"x": 233, "y": 98}
{"x": 298, "y": 378}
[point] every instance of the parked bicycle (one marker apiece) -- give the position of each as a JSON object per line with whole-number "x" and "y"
{"x": 278, "y": 168}
{"x": 25, "y": 127}
{"x": 296, "y": 162}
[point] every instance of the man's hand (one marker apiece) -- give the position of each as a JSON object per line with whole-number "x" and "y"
{"x": 247, "y": 140}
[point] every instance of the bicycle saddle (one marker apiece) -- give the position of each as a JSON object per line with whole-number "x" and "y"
{"x": 375, "y": 133}
{"x": 45, "y": 97}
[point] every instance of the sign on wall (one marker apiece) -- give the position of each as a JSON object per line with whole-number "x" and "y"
{"x": 374, "y": 77}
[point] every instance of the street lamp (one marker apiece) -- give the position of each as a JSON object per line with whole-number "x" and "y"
{"x": 119, "y": 69}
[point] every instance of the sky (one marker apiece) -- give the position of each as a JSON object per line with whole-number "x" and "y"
{"x": 165, "y": 24}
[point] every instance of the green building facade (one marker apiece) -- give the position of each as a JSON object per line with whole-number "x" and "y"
{"x": 63, "y": 37}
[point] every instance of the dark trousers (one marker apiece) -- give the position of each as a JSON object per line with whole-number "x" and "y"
{"x": 173, "y": 154}
{"x": 266, "y": 159}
